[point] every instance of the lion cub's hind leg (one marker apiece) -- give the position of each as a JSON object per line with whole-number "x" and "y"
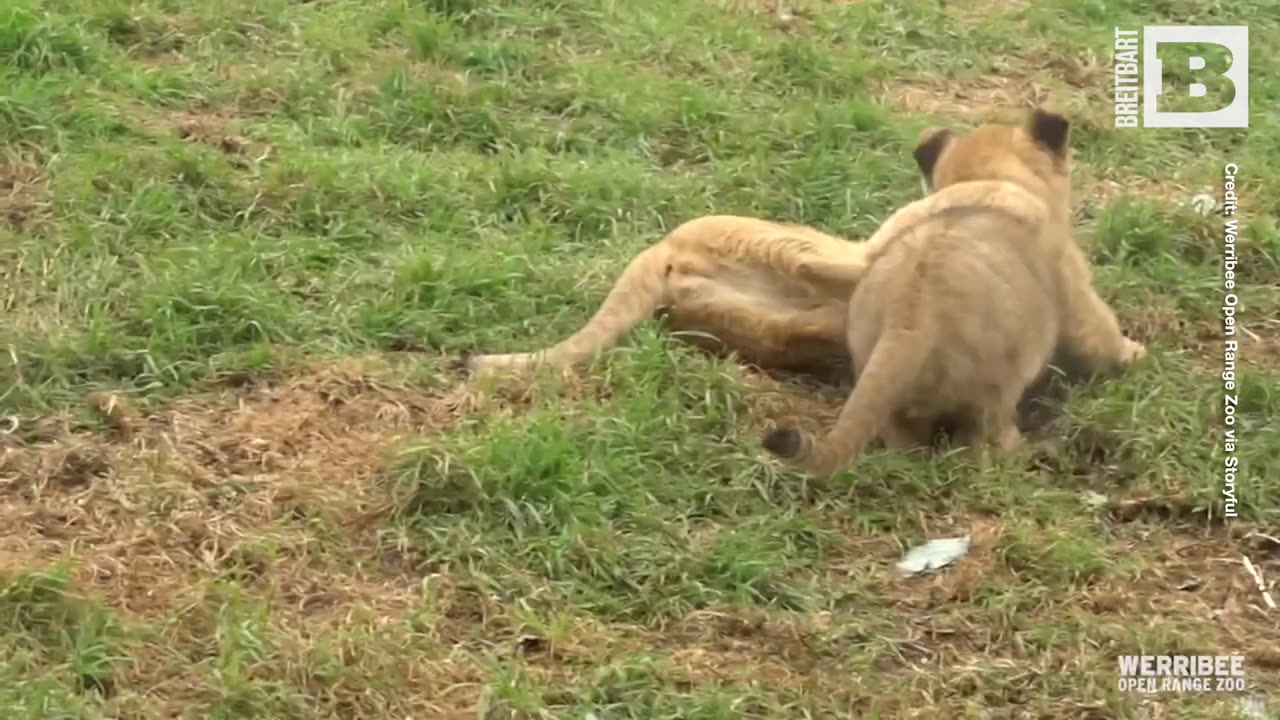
{"x": 991, "y": 431}
{"x": 902, "y": 433}
{"x": 724, "y": 321}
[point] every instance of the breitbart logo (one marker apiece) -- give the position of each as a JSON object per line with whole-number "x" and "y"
{"x": 1141, "y": 75}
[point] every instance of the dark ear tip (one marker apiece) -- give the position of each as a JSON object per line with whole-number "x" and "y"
{"x": 930, "y": 133}
{"x": 1050, "y": 128}
{"x": 1048, "y": 118}
{"x": 929, "y": 147}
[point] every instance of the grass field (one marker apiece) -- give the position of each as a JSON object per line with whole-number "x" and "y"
{"x": 266, "y": 226}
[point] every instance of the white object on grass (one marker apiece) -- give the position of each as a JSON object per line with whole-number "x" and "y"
{"x": 933, "y": 555}
{"x": 1093, "y": 499}
{"x": 1203, "y": 203}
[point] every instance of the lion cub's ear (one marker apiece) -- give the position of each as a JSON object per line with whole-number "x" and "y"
{"x": 929, "y": 147}
{"x": 1050, "y": 130}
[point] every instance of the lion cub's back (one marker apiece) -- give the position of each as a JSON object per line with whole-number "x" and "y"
{"x": 977, "y": 285}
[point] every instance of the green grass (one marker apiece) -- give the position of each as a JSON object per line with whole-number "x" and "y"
{"x": 267, "y": 225}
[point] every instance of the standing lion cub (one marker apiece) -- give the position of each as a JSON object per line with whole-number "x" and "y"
{"x": 961, "y": 311}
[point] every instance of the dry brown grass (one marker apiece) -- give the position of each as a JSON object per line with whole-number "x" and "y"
{"x": 336, "y": 540}
{"x": 250, "y": 481}
{"x": 25, "y": 202}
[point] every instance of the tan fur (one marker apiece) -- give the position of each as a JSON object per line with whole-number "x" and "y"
{"x": 960, "y": 313}
{"x": 772, "y": 293}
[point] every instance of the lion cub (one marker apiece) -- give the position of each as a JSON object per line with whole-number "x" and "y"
{"x": 962, "y": 310}
{"x": 772, "y": 293}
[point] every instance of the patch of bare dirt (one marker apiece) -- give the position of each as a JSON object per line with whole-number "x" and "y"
{"x": 243, "y": 480}
{"x": 186, "y": 486}
{"x": 720, "y": 645}
{"x": 984, "y": 8}
{"x": 1075, "y": 84}
{"x": 249, "y": 482}
{"x": 154, "y": 40}
{"x": 1260, "y": 340}
{"x": 704, "y": 637}
{"x": 1195, "y": 596}
{"x": 780, "y": 8}
{"x": 788, "y": 16}
{"x": 257, "y": 95}
{"x": 1147, "y": 316}
{"x": 219, "y": 130}
{"x": 217, "y": 126}
{"x": 1104, "y": 190}
{"x": 24, "y": 190}
{"x": 945, "y": 633}
{"x": 795, "y": 400}
{"x": 24, "y": 304}
{"x": 987, "y": 98}
{"x": 1201, "y": 340}
{"x": 1087, "y": 73}
{"x": 1200, "y": 579}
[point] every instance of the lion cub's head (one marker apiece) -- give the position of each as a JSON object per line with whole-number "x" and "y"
{"x": 1034, "y": 155}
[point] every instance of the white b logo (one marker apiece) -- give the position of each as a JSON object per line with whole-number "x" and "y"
{"x": 1235, "y": 38}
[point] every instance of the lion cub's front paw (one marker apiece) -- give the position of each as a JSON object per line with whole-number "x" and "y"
{"x": 1133, "y": 351}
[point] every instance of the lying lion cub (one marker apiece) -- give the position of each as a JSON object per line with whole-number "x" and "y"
{"x": 774, "y": 294}
{"x": 965, "y": 306}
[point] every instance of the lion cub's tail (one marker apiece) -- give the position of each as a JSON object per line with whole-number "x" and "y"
{"x": 640, "y": 291}
{"x": 891, "y": 370}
